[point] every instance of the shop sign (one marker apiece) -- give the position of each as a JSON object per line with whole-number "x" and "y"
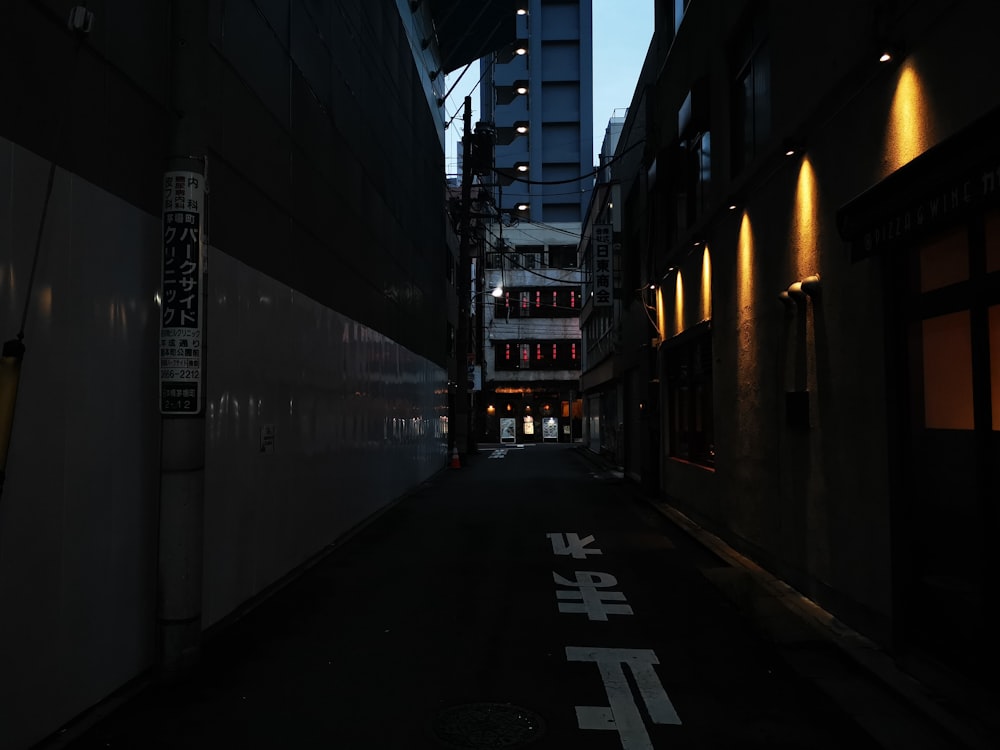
{"x": 181, "y": 323}
{"x": 603, "y": 263}
{"x": 507, "y": 429}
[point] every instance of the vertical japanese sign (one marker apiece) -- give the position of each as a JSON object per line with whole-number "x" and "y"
{"x": 602, "y": 265}
{"x": 181, "y": 284}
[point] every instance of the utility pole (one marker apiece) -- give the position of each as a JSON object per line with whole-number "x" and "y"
{"x": 463, "y": 414}
{"x": 183, "y": 335}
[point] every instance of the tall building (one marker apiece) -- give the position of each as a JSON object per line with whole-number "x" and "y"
{"x": 807, "y": 355}
{"x": 537, "y": 95}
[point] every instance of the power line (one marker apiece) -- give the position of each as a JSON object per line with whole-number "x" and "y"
{"x": 593, "y": 173}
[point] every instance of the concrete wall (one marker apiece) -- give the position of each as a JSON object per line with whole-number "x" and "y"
{"x": 78, "y": 517}
{"x": 327, "y": 320}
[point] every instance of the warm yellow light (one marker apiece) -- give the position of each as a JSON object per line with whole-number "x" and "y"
{"x": 745, "y": 285}
{"x": 679, "y": 304}
{"x": 490, "y": 409}
{"x": 661, "y": 314}
{"x": 805, "y": 220}
{"x": 744, "y": 268}
{"x": 909, "y": 131}
{"x": 706, "y": 285}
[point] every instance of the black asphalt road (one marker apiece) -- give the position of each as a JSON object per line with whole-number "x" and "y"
{"x": 439, "y": 625}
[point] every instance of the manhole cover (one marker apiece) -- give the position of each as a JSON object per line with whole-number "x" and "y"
{"x": 487, "y": 725}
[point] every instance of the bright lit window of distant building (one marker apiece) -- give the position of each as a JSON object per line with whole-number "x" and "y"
{"x": 543, "y": 354}
{"x": 559, "y": 302}
{"x": 751, "y": 92}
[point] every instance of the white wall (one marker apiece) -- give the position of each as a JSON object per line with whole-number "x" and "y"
{"x": 354, "y": 417}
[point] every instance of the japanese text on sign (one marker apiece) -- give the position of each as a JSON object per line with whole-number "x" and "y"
{"x": 601, "y": 272}
{"x": 180, "y": 299}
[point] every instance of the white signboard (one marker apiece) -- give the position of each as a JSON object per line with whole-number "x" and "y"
{"x": 181, "y": 293}
{"x": 507, "y": 430}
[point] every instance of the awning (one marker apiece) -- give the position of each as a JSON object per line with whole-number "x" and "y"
{"x": 955, "y": 178}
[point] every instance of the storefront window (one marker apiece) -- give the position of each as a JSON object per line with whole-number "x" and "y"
{"x": 995, "y": 363}
{"x": 944, "y": 261}
{"x": 993, "y": 242}
{"x": 689, "y": 393}
{"x": 947, "y": 371}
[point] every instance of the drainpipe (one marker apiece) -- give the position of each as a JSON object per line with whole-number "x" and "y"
{"x": 182, "y": 348}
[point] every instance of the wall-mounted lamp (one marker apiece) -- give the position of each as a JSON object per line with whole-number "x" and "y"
{"x": 810, "y": 285}
{"x": 521, "y": 51}
{"x": 521, "y": 127}
{"x": 522, "y": 11}
{"x": 521, "y": 167}
{"x": 497, "y": 290}
{"x": 889, "y": 51}
{"x": 521, "y": 88}
{"x": 522, "y": 206}
{"x": 792, "y": 147}
{"x": 799, "y": 292}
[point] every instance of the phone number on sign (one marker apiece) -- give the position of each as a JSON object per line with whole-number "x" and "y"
{"x": 180, "y": 374}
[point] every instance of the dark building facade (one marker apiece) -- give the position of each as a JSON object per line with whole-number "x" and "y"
{"x": 301, "y": 145}
{"x": 809, "y": 367}
{"x": 537, "y": 97}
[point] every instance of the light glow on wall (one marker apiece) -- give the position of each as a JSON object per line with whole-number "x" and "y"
{"x": 805, "y": 222}
{"x": 706, "y": 285}
{"x": 745, "y": 288}
{"x": 909, "y": 128}
{"x": 661, "y": 314}
{"x": 745, "y": 270}
{"x": 679, "y": 303}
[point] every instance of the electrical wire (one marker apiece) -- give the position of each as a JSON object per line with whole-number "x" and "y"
{"x": 593, "y": 173}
